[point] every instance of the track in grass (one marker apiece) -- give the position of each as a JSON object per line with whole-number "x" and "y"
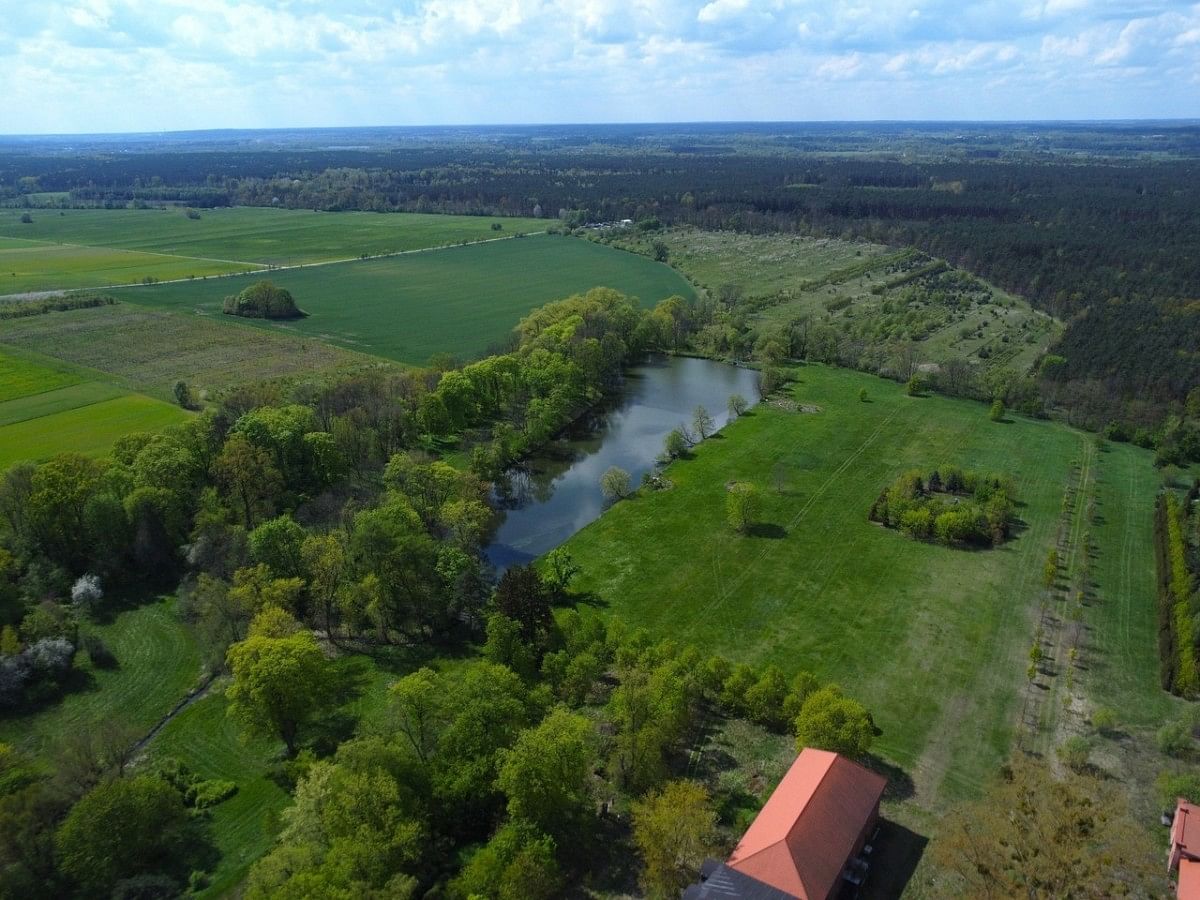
{"x": 157, "y": 663}
{"x": 933, "y": 639}
{"x": 459, "y": 300}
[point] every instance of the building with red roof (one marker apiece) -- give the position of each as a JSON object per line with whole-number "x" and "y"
{"x": 807, "y": 841}
{"x": 1184, "y": 855}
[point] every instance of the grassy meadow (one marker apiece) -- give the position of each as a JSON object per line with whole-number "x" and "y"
{"x": 845, "y": 284}
{"x": 49, "y": 409}
{"x": 460, "y": 300}
{"x": 932, "y": 638}
{"x": 149, "y": 350}
{"x": 241, "y": 235}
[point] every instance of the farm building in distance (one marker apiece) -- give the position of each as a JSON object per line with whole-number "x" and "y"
{"x": 808, "y": 842}
{"x": 1184, "y": 856}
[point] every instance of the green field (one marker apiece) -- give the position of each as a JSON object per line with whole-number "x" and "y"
{"x": 158, "y": 662}
{"x": 932, "y": 638}
{"x": 278, "y": 237}
{"x": 407, "y": 308}
{"x": 49, "y": 409}
{"x": 40, "y": 266}
{"x": 149, "y": 350}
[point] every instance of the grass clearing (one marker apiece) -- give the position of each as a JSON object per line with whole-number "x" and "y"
{"x": 212, "y": 745}
{"x": 24, "y": 378}
{"x": 407, "y": 308}
{"x": 932, "y": 638}
{"x": 158, "y": 662}
{"x": 278, "y": 237}
{"x": 149, "y": 350}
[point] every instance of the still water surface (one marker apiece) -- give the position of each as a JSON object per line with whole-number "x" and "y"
{"x": 552, "y": 495}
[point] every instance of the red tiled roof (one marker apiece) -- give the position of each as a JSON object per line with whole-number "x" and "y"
{"x": 802, "y": 838}
{"x": 1188, "y": 887}
{"x": 1185, "y": 829}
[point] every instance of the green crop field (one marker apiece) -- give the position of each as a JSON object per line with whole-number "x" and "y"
{"x": 278, "y": 237}
{"x": 48, "y": 409}
{"x": 158, "y": 662}
{"x": 149, "y": 350}
{"x": 41, "y": 266}
{"x": 932, "y": 638}
{"x": 459, "y": 300}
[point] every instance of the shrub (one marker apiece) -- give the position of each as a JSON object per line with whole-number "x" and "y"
{"x": 1104, "y": 720}
{"x": 1075, "y": 751}
{"x": 98, "y": 652}
{"x": 86, "y": 592}
{"x": 262, "y": 300}
{"x": 615, "y": 484}
{"x": 1174, "y": 738}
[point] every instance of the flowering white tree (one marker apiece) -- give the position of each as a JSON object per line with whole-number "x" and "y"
{"x": 86, "y": 592}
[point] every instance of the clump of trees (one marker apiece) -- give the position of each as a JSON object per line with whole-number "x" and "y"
{"x": 262, "y": 300}
{"x": 949, "y": 505}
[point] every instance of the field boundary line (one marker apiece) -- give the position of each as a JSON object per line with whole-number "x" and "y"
{"x": 262, "y": 267}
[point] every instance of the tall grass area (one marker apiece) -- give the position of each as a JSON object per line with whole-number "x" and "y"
{"x": 932, "y": 638}
{"x": 459, "y": 301}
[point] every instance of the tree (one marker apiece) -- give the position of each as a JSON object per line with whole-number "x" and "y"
{"x": 521, "y": 595}
{"x": 674, "y": 829}
{"x": 661, "y": 251}
{"x": 742, "y": 505}
{"x": 997, "y": 412}
{"x": 545, "y": 773}
{"x": 122, "y": 828}
{"x": 184, "y": 396}
{"x": 862, "y": 395}
{"x": 323, "y": 557}
{"x": 830, "y": 721}
{"x": 416, "y": 705}
{"x": 279, "y": 685}
{"x": 737, "y": 405}
{"x": 913, "y": 386}
{"x": 676, "y": 444}
{"x": 86, "y": 592}
{"x": 615, "y": 484}
{"x": 702, "y": 422}
{"x": 1032, "y": 835}
{"x": 26, "y": 219}
{"x": 277, "y": 544}
{"x": 248, "y": 475}
{"x": 516, "y": 864}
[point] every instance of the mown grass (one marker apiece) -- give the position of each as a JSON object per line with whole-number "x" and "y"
{"x": 931, "y": 638}
{"x": 48, "y": 266}
{"x": 158, "y": 662}
{"x": 213, "y": 746}
{"x": 460, "y": 300}
{"x": 90, "y": 430}
{"x": 149, "y": 350}
{"x": 255, "y": 234}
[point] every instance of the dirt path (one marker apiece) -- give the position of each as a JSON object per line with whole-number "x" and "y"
{"x": 259, "y": 268}
{"x": 197, "y": 694}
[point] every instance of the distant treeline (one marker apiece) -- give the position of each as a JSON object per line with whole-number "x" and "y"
{"x": 1105, "y": 243}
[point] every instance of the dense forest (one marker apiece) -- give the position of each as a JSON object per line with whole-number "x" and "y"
{"x": 1097, "y": 226}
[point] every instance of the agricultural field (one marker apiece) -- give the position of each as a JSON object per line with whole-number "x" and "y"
{"x": 459, "y": 300}
{"x": 863, "y": 292}
{"x": 934, "y": 639}
{"x": 49, "y": 409}
{"x": 148, "y": 350}
{"x": 243, "y": 236}
{"x": 31, "y": 266}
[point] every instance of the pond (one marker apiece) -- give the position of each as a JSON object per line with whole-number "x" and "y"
{"x": 550, "y": 496}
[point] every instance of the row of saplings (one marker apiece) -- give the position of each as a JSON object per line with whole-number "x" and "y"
{"x": 949, "y": 505}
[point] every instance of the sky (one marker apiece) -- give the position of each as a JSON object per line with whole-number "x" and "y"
{"x": 73, "y": 66}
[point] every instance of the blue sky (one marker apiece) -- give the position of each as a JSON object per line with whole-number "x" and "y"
{"x": 150, "y": 65}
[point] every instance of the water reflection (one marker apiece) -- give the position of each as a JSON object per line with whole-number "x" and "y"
{"x": 550, "y": 496}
